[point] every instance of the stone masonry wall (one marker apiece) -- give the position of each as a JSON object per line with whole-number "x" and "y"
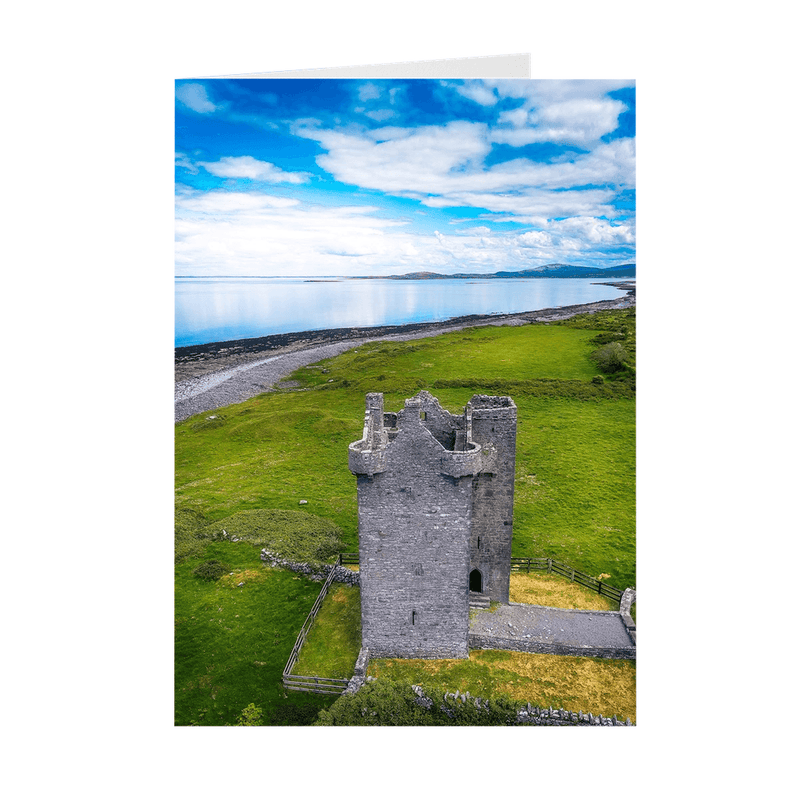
{"x": 413, "y": 552}
{"x": 492, "y": 422}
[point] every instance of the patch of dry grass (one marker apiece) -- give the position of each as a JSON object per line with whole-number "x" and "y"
{"x": 596, "y": 685}
{"x": 244, "y": 576}
{"x": 543, "y": 589}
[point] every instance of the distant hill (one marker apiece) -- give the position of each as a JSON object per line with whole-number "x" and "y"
{"x": 547, "y": 271}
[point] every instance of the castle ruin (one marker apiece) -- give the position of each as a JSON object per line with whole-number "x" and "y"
{"x": 435, "y": 519}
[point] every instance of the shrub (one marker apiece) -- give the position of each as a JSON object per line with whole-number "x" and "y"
{"x": 611, "y": 357}
{"x": 598, "y": 380}
{"x": 385, "y": 702}
{"x": 211, "y": 570}
{"x": 250, "y": 716}
{"x": 605, "y": 337}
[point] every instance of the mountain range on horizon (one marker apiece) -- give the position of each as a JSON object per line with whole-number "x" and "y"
{"x": 547, "y": 271}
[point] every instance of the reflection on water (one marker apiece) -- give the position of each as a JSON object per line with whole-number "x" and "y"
{"x": 219, "y": 309}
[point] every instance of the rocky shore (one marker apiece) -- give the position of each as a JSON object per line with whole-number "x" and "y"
{"x": 210, "y": 376}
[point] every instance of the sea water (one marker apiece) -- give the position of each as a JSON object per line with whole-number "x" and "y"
{"x": 221, "y": 309}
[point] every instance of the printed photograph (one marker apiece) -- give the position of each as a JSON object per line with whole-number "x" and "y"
{"x": 405, "y": 402}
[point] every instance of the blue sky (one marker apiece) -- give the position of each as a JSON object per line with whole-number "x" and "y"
{"x": 380, "y": 177}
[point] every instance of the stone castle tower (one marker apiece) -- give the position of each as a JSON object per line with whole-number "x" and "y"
{"x": 435, "y": 518}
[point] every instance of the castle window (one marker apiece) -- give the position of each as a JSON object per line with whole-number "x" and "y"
{"x": 423, "y": 415}
{"x": 414, "y": 617}
{"x": 479, "y": 543}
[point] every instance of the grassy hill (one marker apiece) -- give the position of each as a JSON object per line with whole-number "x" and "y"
{"x": 574, "y": 497}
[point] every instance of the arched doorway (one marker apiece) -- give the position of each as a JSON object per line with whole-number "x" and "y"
{"x": 475, "y": 581}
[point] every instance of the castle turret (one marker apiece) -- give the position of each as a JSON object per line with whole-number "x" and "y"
{"x": 492, "y": 423}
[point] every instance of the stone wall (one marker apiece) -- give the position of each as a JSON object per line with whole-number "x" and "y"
{"x": 317, "y": 572}
{"x": 478, "y": 642}
{"x": 413, "y": 556}
{"x": 492, "y": 423}
{"x": 527, "y": 715}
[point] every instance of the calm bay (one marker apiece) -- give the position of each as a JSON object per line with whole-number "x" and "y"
{"x": 221, "y": 309}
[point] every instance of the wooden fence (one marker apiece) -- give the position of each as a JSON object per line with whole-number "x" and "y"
{"x": 312, "y": 683}
{"x": 559, "y": 568}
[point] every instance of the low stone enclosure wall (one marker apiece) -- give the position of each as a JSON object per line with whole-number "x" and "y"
{"x": 477, "y": 642}
{"x": 527, "y": 714}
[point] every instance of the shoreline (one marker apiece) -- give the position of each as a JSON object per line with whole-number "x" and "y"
{"x": 209, "y": 376}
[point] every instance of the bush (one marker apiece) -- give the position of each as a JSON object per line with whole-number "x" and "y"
{"x": 598, "y": 380}
{"x": 611, "y": 357}
{"x": 211, "y": 570}
{"x": 250, "y": 716}
{"x": 385, "y": 702}
{"x": 605, "y": 337}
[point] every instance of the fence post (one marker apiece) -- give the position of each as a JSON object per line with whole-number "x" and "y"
{"x": 549, "y": 564}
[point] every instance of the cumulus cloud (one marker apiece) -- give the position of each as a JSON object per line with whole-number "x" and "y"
{"x": 477, "y": 91}
{"x": 227, "y": 202}
{"x": 401, "y": 162}
{"x": 183, "y": 161}
{"x": 194, "y": 96}
{"x": 258, "y": 233}
{"x": 443, "y": 166}
{"x": 249, "y": 167}
{"x": 380, "y": 114}
{"x": 595, "y": 231}
{"x": 562, "y": 111}
{"x": 368, "y": 91}
{"x": 579, "y": 121}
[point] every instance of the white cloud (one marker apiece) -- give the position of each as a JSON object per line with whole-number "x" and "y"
{"x": 228, "y": 202}
{"x": 183, "y": 161}
{"x": 534, "y": 239}
{"x": 562, "y": 111}
{"x": 260, "y": 234}
{"x": 595, "y": 231}
{"x": 255, "y": 233}
{"x": 249, "y": 167}
{"x": 194, "y": 96}
{"x": 579, "y": 121}
{"x": 380, "y": 114}
{"x": 443, "y": 166}
{"x": 401, "y": 163}
{"x": 368, "y": 91}
{"x": 477, "y": 91}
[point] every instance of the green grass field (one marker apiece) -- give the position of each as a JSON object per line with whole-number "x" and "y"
{"x": 574, "y": 500}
